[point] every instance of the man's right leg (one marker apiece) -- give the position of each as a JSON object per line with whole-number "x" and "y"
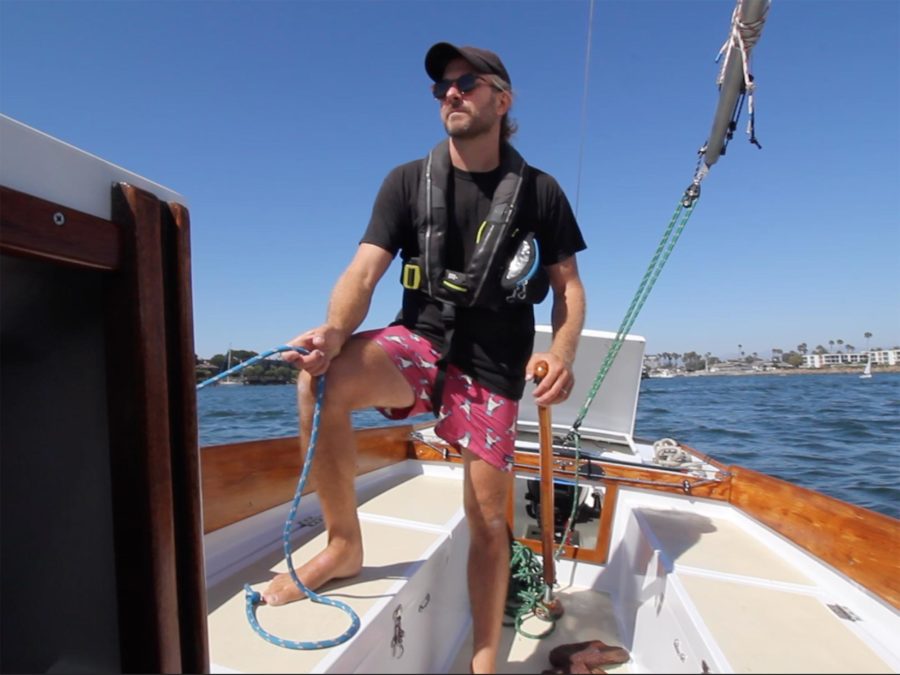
{"x": 362, "y": 376}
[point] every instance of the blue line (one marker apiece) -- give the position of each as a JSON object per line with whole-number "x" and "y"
{"x": 252, "y": 598}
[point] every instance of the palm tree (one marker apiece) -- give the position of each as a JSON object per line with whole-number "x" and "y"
{"x": 867, "y": 335}
{"x": 830, "y": 346}
{"x": 840, "y": 342}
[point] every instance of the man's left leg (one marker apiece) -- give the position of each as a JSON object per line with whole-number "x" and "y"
{"x": 485, "y": 496}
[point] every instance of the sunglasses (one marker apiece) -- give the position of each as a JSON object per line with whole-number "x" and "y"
{"x": 464, "y": 84}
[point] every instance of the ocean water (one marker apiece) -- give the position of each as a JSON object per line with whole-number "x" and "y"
{"x": 834, "y": 433}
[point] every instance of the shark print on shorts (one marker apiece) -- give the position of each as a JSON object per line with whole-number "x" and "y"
{"x": 470, "y": 414}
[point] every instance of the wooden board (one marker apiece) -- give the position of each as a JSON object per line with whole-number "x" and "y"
{"x": 243, "y": 479}
{"x": 863, "y": 544}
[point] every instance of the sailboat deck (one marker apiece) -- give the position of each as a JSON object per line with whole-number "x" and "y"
{"x": 747, "y": 598}
{"x": 407, "y": 522}
{"x": 588, "y": 615}
{"x": 690, "y": 585}
{"x": 415, "y": 559}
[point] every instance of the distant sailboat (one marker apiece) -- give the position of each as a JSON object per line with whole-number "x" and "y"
{"x": 867, "y": 373}
{"x": 230, "y": 380}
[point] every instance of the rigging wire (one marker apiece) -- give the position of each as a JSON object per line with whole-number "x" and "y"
{"x": 526, "y": 585}
{"x": 744, "y": 33}
{"x": 584, "y": 105}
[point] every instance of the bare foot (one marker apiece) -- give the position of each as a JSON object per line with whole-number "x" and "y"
{"x": 337, "y": 561}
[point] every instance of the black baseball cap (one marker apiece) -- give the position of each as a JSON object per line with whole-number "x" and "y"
{"x": 442, "y": 53}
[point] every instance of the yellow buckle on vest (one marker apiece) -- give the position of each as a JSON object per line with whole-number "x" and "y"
{"x": 412, "y": 276}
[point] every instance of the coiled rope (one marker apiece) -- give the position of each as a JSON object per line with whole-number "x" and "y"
{"x": 526, "y": 590}
{"x": 253, "y": 598}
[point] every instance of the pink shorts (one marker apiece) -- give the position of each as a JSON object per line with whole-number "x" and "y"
{"x": 471, "y": 417}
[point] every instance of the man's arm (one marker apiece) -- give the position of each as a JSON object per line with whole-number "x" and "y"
{"x": 352, "y": 294}
{"x": 567, "y": 319}
{"x": 347, "y": 307}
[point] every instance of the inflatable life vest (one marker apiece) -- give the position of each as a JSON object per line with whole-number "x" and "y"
{"x": 504, "y": 267}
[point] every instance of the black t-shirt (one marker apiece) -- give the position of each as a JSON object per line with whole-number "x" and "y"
{"x": 493, "y": 346}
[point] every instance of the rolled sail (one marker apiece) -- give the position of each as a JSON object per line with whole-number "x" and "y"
{"x": 747, "y": 23}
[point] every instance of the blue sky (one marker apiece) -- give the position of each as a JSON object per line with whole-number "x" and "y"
{"x": 278, "y": 121}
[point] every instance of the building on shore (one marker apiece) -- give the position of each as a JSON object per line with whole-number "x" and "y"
{"x": 878, "y": 357}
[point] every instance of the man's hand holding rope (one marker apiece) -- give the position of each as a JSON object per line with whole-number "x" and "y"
{"x": 323, "y": 344}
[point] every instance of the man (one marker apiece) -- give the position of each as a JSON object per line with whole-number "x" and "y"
{"x": 465, "y": 221}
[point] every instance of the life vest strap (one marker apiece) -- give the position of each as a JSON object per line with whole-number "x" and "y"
{"x": 448, "y": 316}
{"x": 411, "y": 277}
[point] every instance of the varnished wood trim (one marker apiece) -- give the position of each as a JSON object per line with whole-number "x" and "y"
{"x": 185, "y": 448}
{"x": 616, "y": 475}
{"x": 140, "y": 441}
{"x": 638, "y": 475}
{"x": 863, "y": 544}
{"x": 27, "y": 228}
{"x": 706, "y": 458}
{"x": 651, "y": 479}
{"x": 600, "y": 552}
{"x": 243, "y": 479}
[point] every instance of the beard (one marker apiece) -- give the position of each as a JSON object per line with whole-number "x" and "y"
{"x": 469, "y": 125}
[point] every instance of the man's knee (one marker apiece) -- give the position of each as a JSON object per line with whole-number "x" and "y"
{"x": 306, "y": 394}
{"x": 347, "y": 377}
{"x": 487, "y": 520}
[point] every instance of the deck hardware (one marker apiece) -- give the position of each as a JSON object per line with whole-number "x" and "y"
{"x": 397, "y": 640}
{"x": 686, "y": 486}
{"x": 442, "y": 449}
{"x": 425, "y": 601}
{"x": 681, "y": 655}
{"x": 843, "y": 612}
{"x": 704, "y": 666}
{"x": 59, "y": 219}
{"x": 309, "y": 521}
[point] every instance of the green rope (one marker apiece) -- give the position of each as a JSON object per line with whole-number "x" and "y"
{"x": 526, "y": 585}
{"x": 571, "y": 522}
{"x": 670, "y": 237}
{"x": 526, "y": 589}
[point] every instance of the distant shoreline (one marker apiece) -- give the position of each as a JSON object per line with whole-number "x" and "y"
{"x": 794, "y": 371}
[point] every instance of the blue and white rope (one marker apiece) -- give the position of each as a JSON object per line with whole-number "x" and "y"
{"x": 253, "y": 598}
